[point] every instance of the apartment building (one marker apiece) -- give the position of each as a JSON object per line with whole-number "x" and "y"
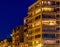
{"x": 17, "y": 36}
{"x": 42, "y": 25}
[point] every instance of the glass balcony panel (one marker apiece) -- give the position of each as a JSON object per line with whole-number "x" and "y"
{"x": 48, "y": 35}
{"x": 50, "y": 3}
{"x": 47, "y": 16}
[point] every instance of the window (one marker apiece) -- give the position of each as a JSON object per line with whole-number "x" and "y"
{"x": 50, "y": 3}
{"x": 37, "y": 23}
{"x": 57, "y": 16}
{"x": 57, "y": 29}
{"x": 58, "y": 22}
{"x": 56, "y": 9}
{"x": 29, "y": 43}
{"x": 47, "y": 9}
{"x": 25, "y": 30}
{"x": 37, "y": 36}
{"x": 38, "y": 17}
{"x": 58, "y": 41}
{"x": 57, "y": 3}
{"x": 30, "y": 32}
{"x": 37, "y": 30}
{"x": 49, "y": 22}
{"x": 48, "y": 16}
{"x": 38, "y": 5}
{"x": 37, "y": 11}
{"x": 48, "y": 35}
{"x": 48, "y": 29}
{"x": 57, "y": 35}
{"x": 30, "y": 38}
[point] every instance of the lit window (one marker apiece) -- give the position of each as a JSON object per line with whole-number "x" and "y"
{"x": 49, "y": 22}
{"x": 37, "y": 11}
{"x": 47, "y": 9}
{"x": 37, "y": 23}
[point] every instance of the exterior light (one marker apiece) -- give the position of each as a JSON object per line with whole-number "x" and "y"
{"x": 11, "y": 35}
{"x": 27, "y": 35}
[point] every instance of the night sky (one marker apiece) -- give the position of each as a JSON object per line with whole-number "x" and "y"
{"x": 12, "y": 13}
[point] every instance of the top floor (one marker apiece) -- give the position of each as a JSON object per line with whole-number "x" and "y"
{"x": 43, "y": 2}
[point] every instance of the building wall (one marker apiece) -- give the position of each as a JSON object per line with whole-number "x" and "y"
{"x": 43, "y": 23}
{"x": 17, "y": 36}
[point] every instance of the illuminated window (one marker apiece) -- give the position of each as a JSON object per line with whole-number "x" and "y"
{"x": 38, "y": 5}
{"x": 38, "y": 23}
{"x": 47, "y": 9}
{"x": 49, "y": 22}
{"x": 37, "y": 11}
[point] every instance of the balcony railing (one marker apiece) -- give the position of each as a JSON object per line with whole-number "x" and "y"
{"x": 48, "y": 16}
{"x": 48, "y": 36}
{"x": 50, "y": 3}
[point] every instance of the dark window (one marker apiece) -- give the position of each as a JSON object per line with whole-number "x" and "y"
{"x": 58, "y": 22}
{"x": 47, "y": 16}
{"x": 37, "y": 36}
{"x": 57, "y": 28}
{"x": 37, "y": 30}
{"x": 57, "y": 35}
{"x": 56, "y": 9}
{"x": 38, "y": 17}
{"x": 25, "y": 30}
{"x": 48, "y": 29}
{"x": 57, "y": 16}
{"x": 57, "y": 3}
{"x": 57, "y": 41}
{"x": 48, "y": 35}
{"x": 29, "y": 43}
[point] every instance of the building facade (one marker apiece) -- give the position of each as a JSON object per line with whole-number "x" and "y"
{"x": 42, "y": 25}
{"x": 17, "y": 36}
{"x": 6, "y": 43}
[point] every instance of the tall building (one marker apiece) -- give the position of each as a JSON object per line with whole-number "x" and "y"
{"x": 42, "y": 25}
{"x": 17, "y": 36}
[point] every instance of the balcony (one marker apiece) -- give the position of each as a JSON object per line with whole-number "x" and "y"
{"x": 56, "y": 9}
{"x": 50, "y": 3}
{"x": 48, "y": 30}
{"x": 48, "y": 36}
{"x": 49, "y": 22}
{"x": 48, "y": 16}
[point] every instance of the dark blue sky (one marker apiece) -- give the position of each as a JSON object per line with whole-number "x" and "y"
{"x": 12, "y": 13}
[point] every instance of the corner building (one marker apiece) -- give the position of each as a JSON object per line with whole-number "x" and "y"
{"x": 42, "y": 25}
